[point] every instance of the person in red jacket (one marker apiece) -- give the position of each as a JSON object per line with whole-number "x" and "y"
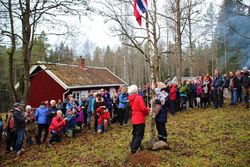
{"x": 56, "y": 126}
{"x": 104, "y": 117}
{"x": 172, "y": 97}
{"x": 139, "y": 112}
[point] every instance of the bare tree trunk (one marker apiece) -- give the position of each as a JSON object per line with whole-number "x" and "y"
{"x": 11, "y": 53}
{"x": 27, "y": 47}
{"x": 178, "y": 41}
{"x": 190, "y": 39}
{"x": 152, "y": 79}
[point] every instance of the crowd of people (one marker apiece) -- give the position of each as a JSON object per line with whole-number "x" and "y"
{"x": 100, "y": 109}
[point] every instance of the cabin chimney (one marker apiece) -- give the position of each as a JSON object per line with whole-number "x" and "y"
{"x": 81, "y": 62}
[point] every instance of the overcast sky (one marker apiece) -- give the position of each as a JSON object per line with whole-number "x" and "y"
{"x": 98, "y": 32}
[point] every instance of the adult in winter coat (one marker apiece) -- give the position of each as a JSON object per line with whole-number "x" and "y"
{"x": 123, "y": 99}
{"x": 90, "y": 107}
{"x": 83, "y": 106}
{"x": 246, "y": 86}
{"x": 19, "y": 119}
{"x": 239, "y": 86}
{"x": 11, "y": 132}
{"x": 191, "y": 93}
{"x": 172, "y": 96}
{"x": 233, "y": 84}
{"x": 51, "y": 111}
{"x": 99, "y": 101}
{"x": 217, "y": 90}
{"x": 55, "y": 129}
{"x": 183, "y": 94}
{"x": 205, "y": 91}
{"x": 42, "y": 122}
{"x": 139, "y": 112}
{"x": 30, "y": 124}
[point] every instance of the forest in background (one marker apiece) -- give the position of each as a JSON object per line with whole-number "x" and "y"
{"x": 206, "y": 41}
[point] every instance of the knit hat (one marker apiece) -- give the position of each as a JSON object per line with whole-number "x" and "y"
{"x": 18, "y": 104}
{"x": 132, "y": 89}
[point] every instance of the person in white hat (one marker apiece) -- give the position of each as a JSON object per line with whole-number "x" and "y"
{"x": 139, "y": 112}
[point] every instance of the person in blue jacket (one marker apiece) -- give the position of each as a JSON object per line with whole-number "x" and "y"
{"x": 123, "y": 99}
{"x": 90, "y": 108}
{"x": 42, "y": 122}
{"x": 217, "y": 89}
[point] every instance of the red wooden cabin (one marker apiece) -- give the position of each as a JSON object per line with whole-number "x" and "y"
{"x": 55, "y": 81}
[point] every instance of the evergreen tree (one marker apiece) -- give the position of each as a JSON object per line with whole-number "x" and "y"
{"x": 97, "y": 57}
{"x": 40, "y": 48}
{"x": 233, "y": 36}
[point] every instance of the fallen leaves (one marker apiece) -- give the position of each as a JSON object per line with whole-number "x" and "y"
{"x": 197, "y": 138}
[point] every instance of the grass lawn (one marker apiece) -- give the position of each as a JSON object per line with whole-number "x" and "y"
{"x": 196, "y": 138}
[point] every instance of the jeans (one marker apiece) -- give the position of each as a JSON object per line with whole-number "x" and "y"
{"x": 20, "y": 137}
{"x": 234, "y": 97}
{"x": 138, "y": 133}
{"x": 239, "y": 95}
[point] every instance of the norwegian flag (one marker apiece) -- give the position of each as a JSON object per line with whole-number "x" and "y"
{"x": 140, "y": 7}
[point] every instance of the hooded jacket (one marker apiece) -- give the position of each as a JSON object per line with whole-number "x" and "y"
{"x": 139, "y": 110}
{"x": 41, "y": 115}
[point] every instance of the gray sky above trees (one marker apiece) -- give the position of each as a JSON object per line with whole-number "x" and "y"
{"x": 94, "y": 29}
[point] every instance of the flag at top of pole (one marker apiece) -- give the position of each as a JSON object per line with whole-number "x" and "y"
{"x": 140, "y": 7}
